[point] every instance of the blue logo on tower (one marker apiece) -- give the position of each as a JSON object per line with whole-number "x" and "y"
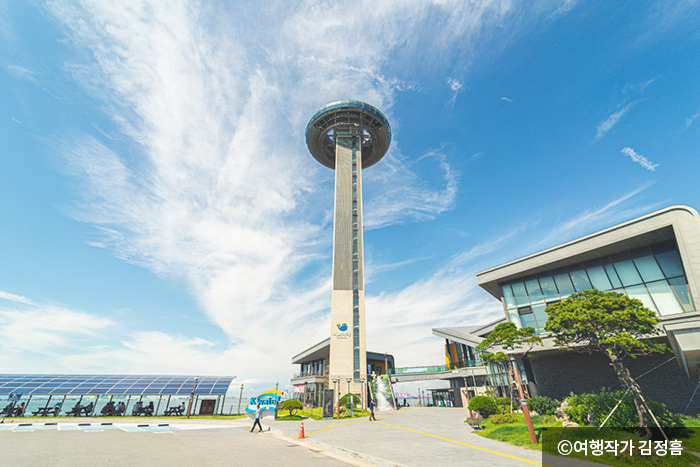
{"x": 342, "y": 332}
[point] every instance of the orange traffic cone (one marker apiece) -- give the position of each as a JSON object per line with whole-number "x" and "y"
{"x": 301, "y": 431}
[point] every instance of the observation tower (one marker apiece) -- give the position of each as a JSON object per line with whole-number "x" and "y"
{"x": 348, "y": 136}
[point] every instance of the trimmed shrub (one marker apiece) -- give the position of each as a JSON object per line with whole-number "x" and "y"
{"x": 502, "y": 418}
{"x": 291, "y": 405}
{"x": 592, "y": 408}
{"x": 486, "y": 406}
{"x": 543, "y": 405}
{"x": 349, "y": 399}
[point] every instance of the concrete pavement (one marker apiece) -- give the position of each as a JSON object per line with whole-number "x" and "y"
{"x": 418, "y": 437}
{"x": 205, "y": 446}
{"x": 410, "y": 437}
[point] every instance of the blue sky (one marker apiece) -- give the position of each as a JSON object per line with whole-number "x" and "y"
{"x": 159, "y": 212}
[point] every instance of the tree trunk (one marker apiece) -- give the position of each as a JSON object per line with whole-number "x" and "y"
{"x": 623, "y": 374}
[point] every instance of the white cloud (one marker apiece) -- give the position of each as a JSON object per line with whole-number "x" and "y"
{"x": 606, "y": 125}
{"x": 213, "y": 101}
{"x": 397, "y": 194}
{"x": 506, "y": 99}
{"x": 455, "y": 86}
{"x": 22, "y": 73}
{"x": 639, "y": 159}
{"x": 690, "y": 120}
{"x": 15, "y": 298}
{"x": 46, "y": 329}
{"x": 617, "y": 210}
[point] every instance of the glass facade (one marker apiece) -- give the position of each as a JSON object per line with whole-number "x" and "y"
{"x": 355, "y": 264}
{"x": 313, "y": 368}
{"x": 464, "y": 356}
{"x": 653, "y": 274}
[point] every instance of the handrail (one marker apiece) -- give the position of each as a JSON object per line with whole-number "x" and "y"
{"x": 434, "y": 368}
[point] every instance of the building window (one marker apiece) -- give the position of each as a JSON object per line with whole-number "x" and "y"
{"x": 654, "y": 275}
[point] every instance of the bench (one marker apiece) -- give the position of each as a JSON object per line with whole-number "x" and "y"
{"x": 46, "y": 411}
{"x": 11, "y": 411}
{"x": 177, "y": 410}
{"x": 142, "y": 411}
{"x": 475, "y": 422}
{"x": 109, "y": 411}
{"x": 78, "y": 411}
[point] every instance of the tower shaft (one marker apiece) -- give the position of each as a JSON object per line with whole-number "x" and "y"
{"x": 348, "y": 353}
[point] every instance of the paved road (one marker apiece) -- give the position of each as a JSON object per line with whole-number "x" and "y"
{"x": 413, "y": 437}
{"x": 219, "y": 446}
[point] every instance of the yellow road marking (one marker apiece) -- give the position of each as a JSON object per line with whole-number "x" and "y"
{"x": 463, "y": 444}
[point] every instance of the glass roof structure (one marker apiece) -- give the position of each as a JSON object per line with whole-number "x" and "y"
{"x": 113, "y": 384}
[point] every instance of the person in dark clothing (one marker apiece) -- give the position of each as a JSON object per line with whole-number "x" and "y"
{"x": 371, "y": 411}
{"x": 258, "y": 414}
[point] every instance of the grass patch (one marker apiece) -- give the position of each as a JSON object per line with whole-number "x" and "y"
{"x": 516, "y": 432}
{"x": 316, "y": 413}
{"x": 288, "y": 418}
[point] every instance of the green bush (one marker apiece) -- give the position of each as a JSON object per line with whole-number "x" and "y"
{"x": 599, "y": 405}
{"x": 291, "y": 405}
{"x": 486, "y": 406}
{"x": 543, "y": 405}
{"x": 349, "y": 399}
{"x": 504, "y": 404}
{"x": 502, "y": 418}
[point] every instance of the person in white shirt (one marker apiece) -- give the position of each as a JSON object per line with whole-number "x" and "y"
{"x": 257, "y": 419}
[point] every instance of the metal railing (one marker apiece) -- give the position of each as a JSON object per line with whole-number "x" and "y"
{"x": 434, "y": 368}
{"x": 304, "y": 375}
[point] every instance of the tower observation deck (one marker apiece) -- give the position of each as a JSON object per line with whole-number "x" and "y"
{"x": 348, "y": 136}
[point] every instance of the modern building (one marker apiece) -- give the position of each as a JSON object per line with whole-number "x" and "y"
{"x": 461, "y": 353}
{"x": 347, "y": 136}
{"x": 314, "y": 375}
{"x": 654, "y": 258}
{"x": 42, "y": 391}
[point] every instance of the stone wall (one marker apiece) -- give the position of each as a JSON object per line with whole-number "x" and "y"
{"x": 557, "y": 374}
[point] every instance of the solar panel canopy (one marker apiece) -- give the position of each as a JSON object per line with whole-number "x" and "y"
{"x": 113, "y": 384}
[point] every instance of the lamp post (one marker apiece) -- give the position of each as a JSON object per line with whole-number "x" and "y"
{"x": 362, "y": 393}
{"x": 240, "y": 398}
{"x": 352, "y": 400}
{"x": 189, "y": 407}
{"x": 523, "y": 402}
{"x": 336, "y": 382}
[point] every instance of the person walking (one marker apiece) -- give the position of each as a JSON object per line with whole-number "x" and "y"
{"x": 257, "y": 420}
{"x": 371, "y": 411}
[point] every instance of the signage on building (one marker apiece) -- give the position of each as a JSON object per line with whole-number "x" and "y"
{"x": 268, "y": 401}
{"x": 298, "y": 389}
{"x": 342, "y": 332}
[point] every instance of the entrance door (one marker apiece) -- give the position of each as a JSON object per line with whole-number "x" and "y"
{"x": 207, "y": 407}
